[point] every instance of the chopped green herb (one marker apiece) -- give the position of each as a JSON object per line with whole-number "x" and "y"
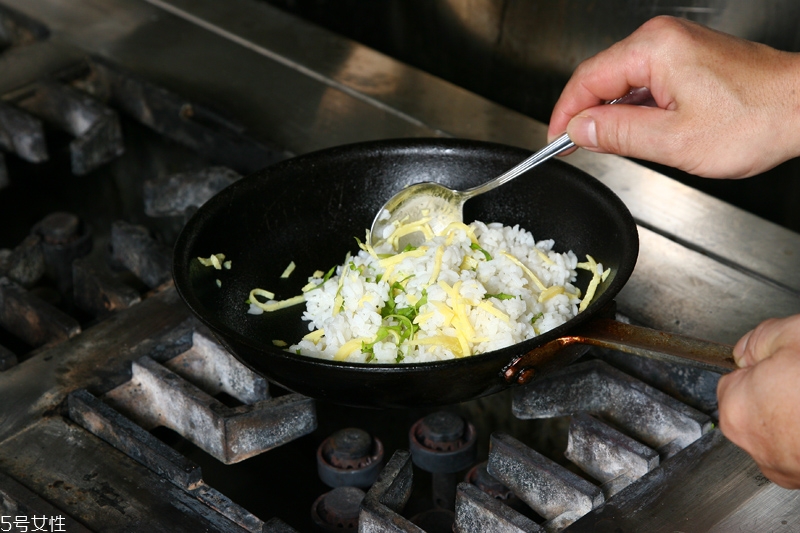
{"x": 368, "y": 348}
{"x": 536, "y": 317}
{"x": 328, "y": 274}
{"x": 398, "y": 320}
{"x": 325, "y": 278}
{"x": 476, "y": 246}
{"x": 500, "y": 296}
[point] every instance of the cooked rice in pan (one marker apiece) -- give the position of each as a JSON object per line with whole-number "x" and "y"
{"x": 467, "y": 290}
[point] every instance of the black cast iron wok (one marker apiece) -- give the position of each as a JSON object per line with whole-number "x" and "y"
{"x": 309, "y": 210}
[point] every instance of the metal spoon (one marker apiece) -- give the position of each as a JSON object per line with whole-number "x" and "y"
{"x": 440, "y": 204}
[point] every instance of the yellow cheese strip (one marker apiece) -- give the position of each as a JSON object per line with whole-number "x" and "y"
{"x": 543, "y": 256}
{"x": 489, "y": 308}
{"x": 314, "y": 336}
{"x": 437, "y": 265}
{"x": 349, "y": 347}
{"x": 590, "y": 265}
{"x": 589, "y": 292}
{"x": 288, "y": 271}
{"x": 469, "y": 263}
{"x": 464, "y": 329}
{"x": 451, "y": 343}
{"x": 364, "y": 299}
{"x": 549, "y": 292}
{"x": 462, "y": 341}
{"x": 397, "y": 258}
{"x": 215, "y": 260}
{"x": 525, "y": 269}
{"x": 451, "y": 227}
{"x": 308, "y": 286}
{"x": 338, "y": 304}
{"x": 388, "y": 263}
{"x": 282, "y": 304}
{"x": 260, "y": 292}
{"x": 445, "y": 311}
{"x": 404, "y": 229}
{"x": 424, "y": 317}
{"x": 367, "y": 247}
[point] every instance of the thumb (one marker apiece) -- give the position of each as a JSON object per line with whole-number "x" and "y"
{"x": 627, "y": 130}
{"x": 769, "y": 337}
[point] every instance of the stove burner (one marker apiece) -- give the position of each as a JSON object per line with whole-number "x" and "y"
{"x": 442, "y": 442}
{"x": 480, "y": 477}
{"x": 59, "y": 228}
{"x": 338, "y": 509}
{"x": 349, "y": 457}
{"x": 64, "y": 239}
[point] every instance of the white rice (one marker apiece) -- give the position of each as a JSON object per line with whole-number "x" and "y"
{"x": 466, "y": 302}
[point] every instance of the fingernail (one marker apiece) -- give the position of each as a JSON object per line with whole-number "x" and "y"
{"x": 740, "y": 349}
{"x": 583, "y": 131}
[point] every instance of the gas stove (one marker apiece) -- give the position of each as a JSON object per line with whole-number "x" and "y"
{"x": 119, "y": 411}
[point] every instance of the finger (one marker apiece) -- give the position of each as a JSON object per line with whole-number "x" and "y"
{"x": 632, "y": 131}
{"x": 757, "y": 413}
{"x": 589, "y": 89}
{"x": 766, "y": 339}
{"x": 734, "y": 410}
{"x": 740, "y": 353}
{"x": 604, "y": 77}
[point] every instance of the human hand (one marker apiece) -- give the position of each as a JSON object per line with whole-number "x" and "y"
{"x": 726, "y": 107}
{"x": 758, "y": 403}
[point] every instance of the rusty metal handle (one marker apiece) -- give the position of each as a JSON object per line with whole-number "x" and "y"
{"x": 637, "y": 340}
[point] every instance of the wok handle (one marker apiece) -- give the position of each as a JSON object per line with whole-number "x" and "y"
{"x": 637, "y": 340}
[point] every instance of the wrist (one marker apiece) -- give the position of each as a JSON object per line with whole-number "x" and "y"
{"x": 787, "y": 94}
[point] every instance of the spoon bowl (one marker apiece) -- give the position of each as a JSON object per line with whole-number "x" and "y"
{"x": 437, "y": 206}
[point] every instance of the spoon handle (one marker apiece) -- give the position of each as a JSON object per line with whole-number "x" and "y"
{"x": 637, "y": 96}
{"x": 552, "y": 149}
